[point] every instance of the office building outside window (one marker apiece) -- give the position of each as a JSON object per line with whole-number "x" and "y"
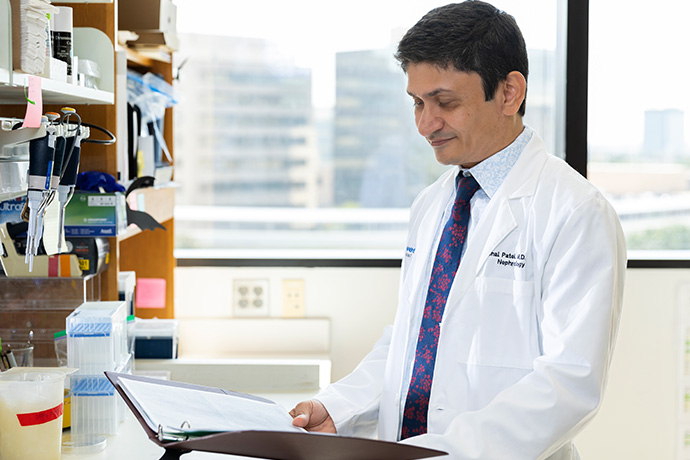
{"x": 295, "y": 138}
{"x": 638, "y": 122}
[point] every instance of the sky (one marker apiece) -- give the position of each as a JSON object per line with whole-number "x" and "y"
{"x": 637, "y": 54}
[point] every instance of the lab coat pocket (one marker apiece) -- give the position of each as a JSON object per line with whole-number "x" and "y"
{"x": 505, "y": 331}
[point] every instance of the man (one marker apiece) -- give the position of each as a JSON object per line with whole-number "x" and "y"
{"x": 504, "y": 355}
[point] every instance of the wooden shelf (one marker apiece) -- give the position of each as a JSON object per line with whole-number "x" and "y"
{"x": 159, "y": 202}
{"x": 137, "y": 59}
{"x": 149, "y": 253}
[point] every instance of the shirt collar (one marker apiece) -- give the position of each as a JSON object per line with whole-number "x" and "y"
{"x": 491, "y": 172}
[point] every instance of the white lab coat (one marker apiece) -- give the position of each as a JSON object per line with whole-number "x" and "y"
{"x": 528, "y": 329}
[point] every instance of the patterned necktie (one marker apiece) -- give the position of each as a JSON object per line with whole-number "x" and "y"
{"x": 445, "y": 265}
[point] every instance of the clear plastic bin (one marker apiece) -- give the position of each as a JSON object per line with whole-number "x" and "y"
{"x": 97, "y": 337}
{"x": 97, "y": 408}
{"x": 94, "y": 405}
{"x": 36, "y": 308}
{"x": 126, "y": 284}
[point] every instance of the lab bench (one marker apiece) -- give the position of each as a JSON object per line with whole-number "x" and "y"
{"x": 285, "y": 380}
{"x": 131, "y": 440}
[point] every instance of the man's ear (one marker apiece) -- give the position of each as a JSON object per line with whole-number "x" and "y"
{"x": 514, "y": 88}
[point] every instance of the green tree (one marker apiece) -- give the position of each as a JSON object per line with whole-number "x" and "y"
{"x": 671, "y": 237}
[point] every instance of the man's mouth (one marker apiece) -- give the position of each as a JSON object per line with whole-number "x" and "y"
{"x": 439, "y": 142}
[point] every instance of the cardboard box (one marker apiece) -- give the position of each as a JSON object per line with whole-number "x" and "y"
{"x": 96, "y": 214}
{"x": 147, "y": 15}
{"x": 149, "y": 41}
{"x": 155, "y": 21}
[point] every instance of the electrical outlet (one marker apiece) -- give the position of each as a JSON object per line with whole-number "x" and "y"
{"x": 250, "y": 297}
{"x": 293, "y": 298}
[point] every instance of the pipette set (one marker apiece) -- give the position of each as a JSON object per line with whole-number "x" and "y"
{"x": 49, "y": 160}
{"x": 53, "y": 168}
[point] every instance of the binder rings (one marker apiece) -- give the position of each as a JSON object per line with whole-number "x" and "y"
{"x": 265, "y": 444}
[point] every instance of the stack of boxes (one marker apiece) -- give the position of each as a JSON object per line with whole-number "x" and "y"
{"x": 97, "y": 342}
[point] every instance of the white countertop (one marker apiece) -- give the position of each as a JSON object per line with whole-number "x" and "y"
{"x": 131, "y": 441}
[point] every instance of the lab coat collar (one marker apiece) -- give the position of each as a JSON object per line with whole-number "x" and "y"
{"x": 491, "y": 173}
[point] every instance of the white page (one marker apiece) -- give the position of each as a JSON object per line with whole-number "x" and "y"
{"x": 170, "y": 406}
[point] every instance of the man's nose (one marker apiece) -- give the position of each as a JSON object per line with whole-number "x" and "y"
{"x": 428, "y": 122}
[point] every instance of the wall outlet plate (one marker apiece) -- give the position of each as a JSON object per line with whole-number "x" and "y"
{"x": 294, "y": 302}
{"x": 250, "y": 298}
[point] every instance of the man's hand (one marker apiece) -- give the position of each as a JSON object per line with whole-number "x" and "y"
{"x": 312, "y": 416}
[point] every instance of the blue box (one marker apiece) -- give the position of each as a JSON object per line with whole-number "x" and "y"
{"x": 11, "y": 210}
{"x": 155, "y": 338}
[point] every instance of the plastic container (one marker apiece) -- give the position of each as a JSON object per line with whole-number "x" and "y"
{"x": 155, "y": 338}
{"x": 126, "y": 284}
{"x": 60, "y": 344}
{"x": 22, "y": 352}
{"x": 41, "y": 306}
{"x": 84, "y": 444}
{"x": 97, "y": 408}
{"x": 94, "y": 405}
{"x": 31, "y": 407}
{"x": 90, "y": 71}
{"x": 97, "y": 337}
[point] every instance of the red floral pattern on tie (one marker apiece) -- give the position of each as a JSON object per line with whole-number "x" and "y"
{"x": 445, "y": 265}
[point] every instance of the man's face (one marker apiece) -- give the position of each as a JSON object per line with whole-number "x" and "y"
{"x": 452, "y": 114}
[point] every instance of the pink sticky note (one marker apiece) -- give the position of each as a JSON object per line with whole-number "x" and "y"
{"x": 150, "y": 293}
{"x": 32, "y": 119}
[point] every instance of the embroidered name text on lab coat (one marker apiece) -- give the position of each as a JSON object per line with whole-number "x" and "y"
{"x": 510, "y": 259}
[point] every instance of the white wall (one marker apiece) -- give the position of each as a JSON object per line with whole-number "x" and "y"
{"x": 360, "y": 302}
{"x": 637, "y": 420}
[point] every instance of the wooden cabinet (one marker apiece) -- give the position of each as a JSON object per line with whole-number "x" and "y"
{"x": 148, "y": 253}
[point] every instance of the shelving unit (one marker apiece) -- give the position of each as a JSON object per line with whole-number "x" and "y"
{"x": 89, "y": 43}
{"x": 148, "y": 253}
{"x": 53, "y": 91}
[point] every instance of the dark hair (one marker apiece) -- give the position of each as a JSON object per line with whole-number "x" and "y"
{"x": 472, "y": 36}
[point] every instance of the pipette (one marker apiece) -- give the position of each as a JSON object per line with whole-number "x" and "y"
{"x": 69, "y": 169}
{"x": 41, "y": 157}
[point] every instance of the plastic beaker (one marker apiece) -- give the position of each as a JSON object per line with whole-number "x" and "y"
{"x": 23, "y": 353}
{"x": 31, "y": 406}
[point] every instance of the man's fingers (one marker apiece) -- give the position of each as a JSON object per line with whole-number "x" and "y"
{"x": 312, "y": 416}
{"x": 301, "y": 414}
{"x": 300, "y": 420}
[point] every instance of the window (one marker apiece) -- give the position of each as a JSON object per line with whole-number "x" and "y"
{"x": 637, "y": 122}
{"x": 294, "y": 135}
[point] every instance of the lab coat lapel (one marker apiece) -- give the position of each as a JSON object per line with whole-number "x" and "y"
{"x": 496, "y": 222}
{"x": 426, "y": 234}
{"x": 498, "y": 219}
